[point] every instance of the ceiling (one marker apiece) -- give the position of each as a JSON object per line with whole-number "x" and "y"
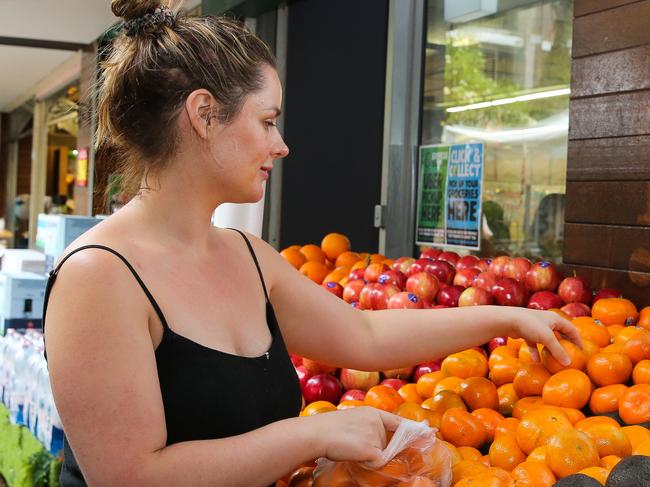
{"x": 33, "y": 71}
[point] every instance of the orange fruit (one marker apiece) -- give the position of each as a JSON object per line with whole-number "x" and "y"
{"x": 456, "y": 457}
{"x": 515, "y": 343}
{"x": 490, "y": 419}
{"x": 605, "y": 399}
{"x": 577, "y": 356}
{"x": 506, "y": 426}
{"x": 448, "y": 384}
{"x": 337, "y": 275}
{"x": 505, "y": 452}
{"x": 530, "y": 379}
{"x": 466, "y": 469}
{"x": 491, "y": 477}
{"x": 592, "y": 330}
{"x": 636, "y": 434}
{"x": 533, "y": 474}
{"x": 359, "y": 265}
{"x": 318, "y": 407}
{"x": 525, "y": 355}
{"x": 615, "y": 311}
{"x": 409, "y": 393}
{"x": 527, "y": 404}
{"x": 334, "y": 244}
{"x": 507, "y": 398}
{"x": 644, "y": 318}
{"x": 570, "y": 451}
{"x": 595, "y": 420}
{"x": 626, "y": 333}
{"x": 383, "y": 397}
{"x": 377, "y": 258}
{"x": 485, "y": 460}
{"x": 641, "y": 372}
{"x": 412, "y": 411}
{"x": 349, "y": 404}
{"x": 504, "y": 371}
{"x": 590, "y": 349}
{"x": 294, "y": 257}
{"x": 536, "y": 427}
{"x": 598, "y": 473}
{"x": 568, "y": 388}
{"x": 634, "y": 405}
{"x": 315, "y": 271}
{"x": 609, "y": 440}
{"x": 500, "y": 353}
{"x": 609, "y": 462}
{"x": 427, "y": 382}
{"x": 638, "y": 346}
{"x": 613, "y": 330}
{"x": 443, "y": 401}
{"x": 609, "y": 368}
{"x": 573, "y": 414}
{"x": 538, "y": 455}
{"x": 469, "y": 453}
{"x": 642, "y": 449}
{"x": 347, "y": 259}
{"x": 479, "y": 392}
{"x": 467, "y": 363}
{"x": 313, "y": 253}
{"x": 462, "y": 429}
{"x": 615, "y": 347}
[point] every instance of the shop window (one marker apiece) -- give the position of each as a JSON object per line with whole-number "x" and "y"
{"x": 501, "y": 76}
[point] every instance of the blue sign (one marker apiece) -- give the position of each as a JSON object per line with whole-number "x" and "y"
{"x": 463, "y": 198}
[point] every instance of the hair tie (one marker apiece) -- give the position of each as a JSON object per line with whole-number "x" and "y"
{"x": 150, "y": 22}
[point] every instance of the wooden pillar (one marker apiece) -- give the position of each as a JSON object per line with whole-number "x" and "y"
{"x": 39, "y": 167}
{"x": 607, "y": 226}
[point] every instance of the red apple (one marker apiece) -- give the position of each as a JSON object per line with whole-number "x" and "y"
{"x": 574, "y": 310}
{"x": 353, "y": 395}
{"x": 474, "y": 296}
{"x": 424, "y": 285}
{"x": 295, "y": 359}
{"x": 498, "y": 265}
{"x": 497, "y": 342}
{"x": 316, "y": 368}
{"x": 430, "y": 253}
{"x": 365, "y": 297}
{"x": 428, "y": 304}
{"x": 352, "y": 290}
{"x": 381, "y": 295}
{"x": 333, "y": 287}
{"x": 485, "y": 280}
{"x": 442, "y": 269}
{"x": 467, "y": 262}
{"x": 542, "y": 276}
{"x": 575, "y": 290}
{"x": 403, "y": 264}
{"x": 322, "y": 387}
{"x": 481, "y": 350}
{"x": 303, "y": 375}
{"x": 544, "y": 300}
{"x": 356, "y": 275}
{"x": 405, "y": 300}
{"x": 359, "y": 379}
{"x": 607, "y": 293}
{"x": 396, "y": 278}
{"x": 484, "y": 265}
{"x": 508, "y": 292}
{"x": 517, "y": 268}
{"x": 373, "y": 271}
{"x": 465, "y": 277}
{"x": 404, "y": 373}
{"x": 451, "y": 257}
{"x": 448, "y": 295}
{"x": 396, "y": 384}
{"x": 418, "y": 266}
{"x": 425, "y": 368}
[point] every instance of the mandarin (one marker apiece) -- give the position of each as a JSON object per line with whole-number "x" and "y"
{"x": 490, "y": 419}
{"x": 533, "y": 474}
{"x": 383, "y": 397}
{"x": 334, "y": 244}
{"x": 507, "y": 398}
{"x": 462, "y": 429}
{"x": 577, "y": 356}
{"x": 536, "y": 427}
{"x": 530, "y": 379}
{"x": 315, "y": 271}
{"x": 634, "y": 405}
{"x": 569, "y": 451}
{"x": 569, "y": 388}
{"x": 638, "y": 347}
{"x": 605, "y": 399}
{"x": 479, "y": 392}
{"x": 294, "y": 257}
{"x": 641, "y": 372}
{"x": 505, "y": 452}
{"x": 609, "y": 368}
{"x": 609, "y": 440}
{"x": 615, "y": 311}
{"x": 592, "y": 330}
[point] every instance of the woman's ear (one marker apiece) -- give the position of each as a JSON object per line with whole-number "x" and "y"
{"x": 201, "y": 107}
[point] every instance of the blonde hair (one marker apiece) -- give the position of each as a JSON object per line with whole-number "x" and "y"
{"x": 151, "y": 69}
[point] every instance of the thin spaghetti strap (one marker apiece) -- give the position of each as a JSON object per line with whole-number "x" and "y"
{"x": 53, "y": 274}
{"x": 257, "y": 264}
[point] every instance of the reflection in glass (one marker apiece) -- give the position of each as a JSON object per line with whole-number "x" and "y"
{"x": 503, "y": 79}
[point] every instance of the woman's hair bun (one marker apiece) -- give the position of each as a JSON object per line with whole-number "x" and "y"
{"x": 132, "y": 9}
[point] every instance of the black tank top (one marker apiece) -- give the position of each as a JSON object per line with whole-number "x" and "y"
{"x": 209, "y": 394}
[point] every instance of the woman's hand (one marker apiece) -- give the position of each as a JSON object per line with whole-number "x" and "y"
{"x": 539, "y": 327}
{"x": 357, "y": 434}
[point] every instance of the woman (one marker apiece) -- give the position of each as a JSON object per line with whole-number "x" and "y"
{"x": 167, "y": 363}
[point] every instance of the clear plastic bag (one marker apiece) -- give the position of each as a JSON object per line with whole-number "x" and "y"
{"x": 413, "y": 457}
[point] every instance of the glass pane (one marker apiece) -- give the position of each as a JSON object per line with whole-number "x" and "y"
{"x": 501, "y": 76}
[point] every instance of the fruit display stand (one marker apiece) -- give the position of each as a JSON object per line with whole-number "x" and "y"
{"x": 24, "y": 462}
{"x": 508, "y": 414}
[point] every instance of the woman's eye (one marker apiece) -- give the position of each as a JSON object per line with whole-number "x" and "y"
{"x": 269, "y": 123}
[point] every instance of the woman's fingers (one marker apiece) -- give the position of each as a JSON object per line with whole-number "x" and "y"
{"x": 551, "y": 342}
{"x": 567, "y": 329}
{"x": 391, "y": 421}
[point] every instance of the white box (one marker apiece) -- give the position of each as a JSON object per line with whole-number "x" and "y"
{"x": 21, "y": 299}
{"x": 23, "y": 260}
{"x": 55, "y": 232}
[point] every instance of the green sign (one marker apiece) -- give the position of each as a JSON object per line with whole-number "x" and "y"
{"x": 432, "y": 182}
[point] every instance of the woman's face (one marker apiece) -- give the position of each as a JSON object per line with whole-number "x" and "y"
{"x": 243, "y": 150}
